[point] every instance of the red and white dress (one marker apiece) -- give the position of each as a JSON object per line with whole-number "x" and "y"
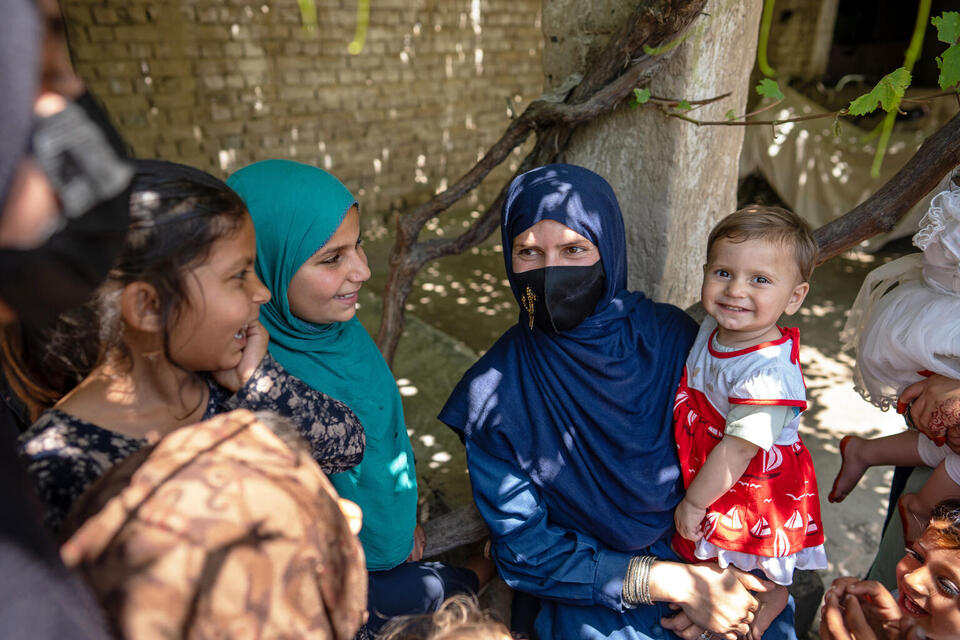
{"x": 770, "y": 518}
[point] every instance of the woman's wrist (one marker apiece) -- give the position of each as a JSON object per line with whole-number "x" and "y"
{"x": 668, "y": 581}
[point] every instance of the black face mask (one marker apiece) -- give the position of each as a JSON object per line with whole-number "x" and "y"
{"x": 85, "y": 162}
{"x": 560, "y": 298}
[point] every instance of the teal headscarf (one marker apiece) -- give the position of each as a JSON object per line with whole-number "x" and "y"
{"x": 296, "y": 208}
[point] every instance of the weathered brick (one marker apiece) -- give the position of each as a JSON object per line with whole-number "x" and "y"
{"x": 219, "y": 113}
{"x": 296, "y": 93}
{"x": 104, "y": 15}
{"x": 214, "y": 82}
{"x": 101, "y": 34}
{"x": 139, "y": 33}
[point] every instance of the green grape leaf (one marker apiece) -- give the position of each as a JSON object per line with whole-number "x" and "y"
{"x": 769, "y": 89}
{"x": 948, "y": 27}
{"x": 949, "y": 64}
{"x": 683, "y": 105}
{"x": 888, "y": 93}
{"x": 730, "y": 115}
{"x": 639, "y": 97}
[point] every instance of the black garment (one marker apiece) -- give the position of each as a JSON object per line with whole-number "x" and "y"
{"x": 14, "y": 417}
{"x": 39, "y": 598}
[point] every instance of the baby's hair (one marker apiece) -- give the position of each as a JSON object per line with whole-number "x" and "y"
{"x": 945, "y": 520}
{"x": 774, "y": 224}
{"x": 458, "y": 618}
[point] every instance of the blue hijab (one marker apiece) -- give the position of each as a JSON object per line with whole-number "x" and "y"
{"x": 586, "y": 414}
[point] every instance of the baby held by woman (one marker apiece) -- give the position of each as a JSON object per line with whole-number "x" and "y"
{"x": 751, "y": 496}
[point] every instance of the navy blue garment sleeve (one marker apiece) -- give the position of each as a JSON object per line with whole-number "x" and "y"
{"x": 533, "y": 555}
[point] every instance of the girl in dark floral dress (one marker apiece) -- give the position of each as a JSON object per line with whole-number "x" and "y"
{"x": 180, "y": 341}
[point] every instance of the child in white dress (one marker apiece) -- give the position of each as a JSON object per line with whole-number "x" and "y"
{"x": 905, "y": 325}
{"x": 751, "y": 496}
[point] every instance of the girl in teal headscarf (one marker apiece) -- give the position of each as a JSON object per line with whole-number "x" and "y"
{"x": 310, "y": 257}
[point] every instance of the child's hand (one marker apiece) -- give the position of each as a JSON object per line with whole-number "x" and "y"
{"x": 256, "y": 348}
{"x": 687, "y": 519}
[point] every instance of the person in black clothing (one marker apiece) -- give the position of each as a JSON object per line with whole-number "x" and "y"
{"x": 63, "y": 181}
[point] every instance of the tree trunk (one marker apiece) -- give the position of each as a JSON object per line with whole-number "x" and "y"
{"x": 673, "y": 180}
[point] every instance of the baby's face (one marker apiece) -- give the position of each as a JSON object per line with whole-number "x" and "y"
{"x": 748, "y": 284}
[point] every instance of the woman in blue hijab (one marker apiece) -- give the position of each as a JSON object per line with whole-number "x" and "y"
{"x": 567, "y": 427}
{"x": 310, "y": 256}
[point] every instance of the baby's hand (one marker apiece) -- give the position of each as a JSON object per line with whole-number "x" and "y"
{"x": 687, "y": 519}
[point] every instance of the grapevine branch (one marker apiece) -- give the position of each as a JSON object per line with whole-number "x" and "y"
{"x": 739, "y": 122}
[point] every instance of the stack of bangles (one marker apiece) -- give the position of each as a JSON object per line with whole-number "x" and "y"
{"x": 636, "y": 584}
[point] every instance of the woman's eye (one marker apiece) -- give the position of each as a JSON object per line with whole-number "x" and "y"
{"x": 576, "y": 250}
{"x": 948, "y": 587}
{"x": 913, "y": 554}
{"x": 241, "y": 275}
{"x": 334, "y": 259}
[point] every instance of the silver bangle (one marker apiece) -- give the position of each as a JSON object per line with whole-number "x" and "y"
{"x": 629, "y": 582}
{"x": 636, "y": 583}
{"x": 646, "y": 563}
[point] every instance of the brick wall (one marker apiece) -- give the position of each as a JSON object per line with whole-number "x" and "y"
{"x": 221, "y": 83}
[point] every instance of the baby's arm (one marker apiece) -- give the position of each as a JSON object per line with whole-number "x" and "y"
{"x": 723, "y": 467}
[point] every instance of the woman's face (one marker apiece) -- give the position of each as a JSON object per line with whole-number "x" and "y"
{"x": 928, "y": 579}
{"x": 551, "y": 244}
{"x": 325, "y": 288}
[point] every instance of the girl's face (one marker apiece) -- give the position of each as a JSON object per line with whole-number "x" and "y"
{"x": 223, "y": 297}
{"x": 928, "y": 579}
{"x": 325, "y": 288}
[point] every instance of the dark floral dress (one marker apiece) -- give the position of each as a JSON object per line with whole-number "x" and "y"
{"x": 64, "y": 454}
